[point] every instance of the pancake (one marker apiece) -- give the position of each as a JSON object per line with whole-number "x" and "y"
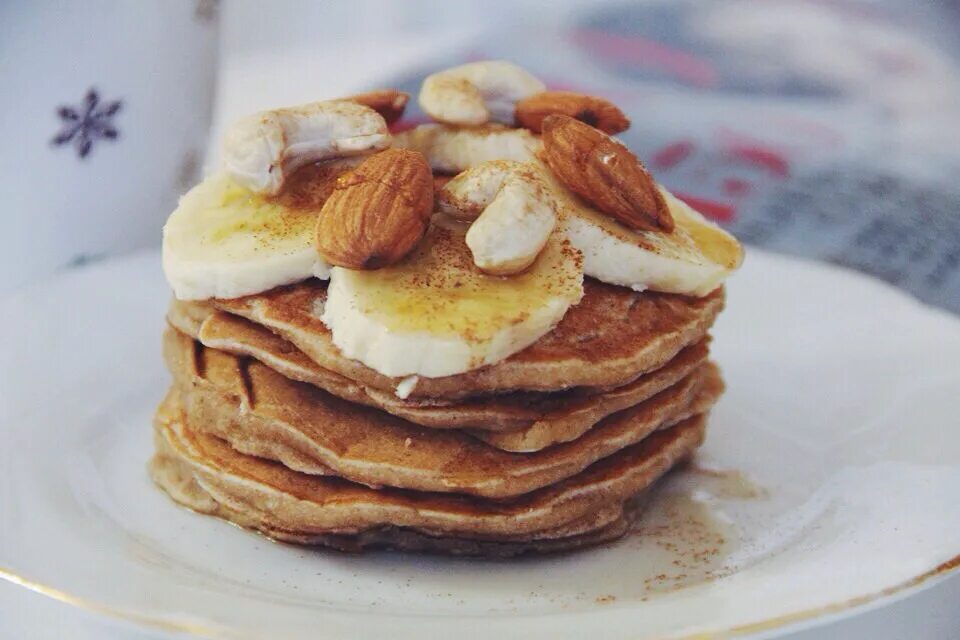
{"x": 262, "y": 413}
{"x": 535, "y": 420}
{"x": 275, "y": 498}
{"x": 607, "y": 340}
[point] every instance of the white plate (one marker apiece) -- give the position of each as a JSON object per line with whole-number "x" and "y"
{"x": 841, "y": 410}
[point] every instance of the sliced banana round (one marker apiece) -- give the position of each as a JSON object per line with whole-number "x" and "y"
{"x": 693, "y": 259}
{"x": 477, "y": 92}
{"x": 262, "y": 150}
{"x": 512, "y": 209}
{"x": 435, "y": 314}
{"x": 225, "y": 241}
{"x": 454, "y": 149}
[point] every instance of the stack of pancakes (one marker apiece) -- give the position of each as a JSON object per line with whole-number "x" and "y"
{"x": 269, "y": 426}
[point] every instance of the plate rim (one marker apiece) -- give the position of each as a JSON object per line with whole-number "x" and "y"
{"x": 807, "y": 618}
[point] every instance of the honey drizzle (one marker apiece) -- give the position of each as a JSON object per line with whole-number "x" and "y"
{"x": 438, "y": 289}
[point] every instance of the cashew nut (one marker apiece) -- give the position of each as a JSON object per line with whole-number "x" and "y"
{"x": 454, "y": 149}
{"x": 262, "y": 150}
{"x": 477, "y": 93}
{"x": 465, "y": 196}
{"x": 516, "y": 214}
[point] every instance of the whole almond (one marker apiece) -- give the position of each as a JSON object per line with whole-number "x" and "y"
{"x": 389, "y": 103}
{"x": 378, "y": 212}
{"x": 594, "y": 111}
{"x": 604, "y": 173}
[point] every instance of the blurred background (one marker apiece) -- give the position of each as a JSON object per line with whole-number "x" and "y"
{"x": 828, "y": 129}
{"x": 822, "y": 128}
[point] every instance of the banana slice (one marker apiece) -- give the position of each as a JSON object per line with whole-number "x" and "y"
{"x": 452, "y": 149}
{"x": 436, "y": 314}
{"x": 694, "y": 259}
{"x": 225, "y": 241}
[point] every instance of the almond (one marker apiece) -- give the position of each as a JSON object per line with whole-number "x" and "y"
{"x": 389, "y": 103}
{"x": 604, "y": 173}
{"x": 378, "y": 212}
{"x": 594, "y": 111}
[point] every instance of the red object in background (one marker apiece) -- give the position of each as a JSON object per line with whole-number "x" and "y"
{"x": 672, "y": 155}
{"x": 736, "y": 187}
{"x": 712, "y": 209}
{"x": 650, "y": 54}
{"x": 719, "y": 171}
{"x": 760, "y": 157}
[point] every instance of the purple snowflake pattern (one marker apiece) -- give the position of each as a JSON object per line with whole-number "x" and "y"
{"x": 88, "y": 122}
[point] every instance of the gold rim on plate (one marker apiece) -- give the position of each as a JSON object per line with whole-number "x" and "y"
{"x": 940, "y": 571}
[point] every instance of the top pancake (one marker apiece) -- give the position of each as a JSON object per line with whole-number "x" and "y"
{"x": 520, "y": 421}
{"x": 613, "y": 336}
